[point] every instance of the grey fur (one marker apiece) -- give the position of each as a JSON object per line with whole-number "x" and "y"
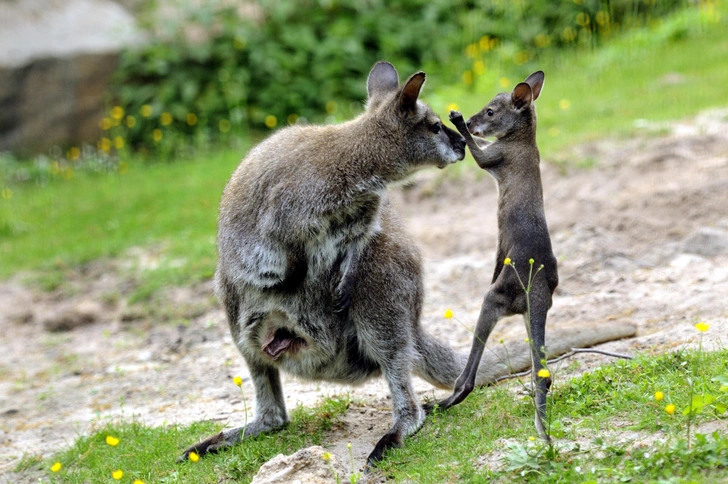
{"x": 306, "y": 230}
{"x": 513, "y": 160}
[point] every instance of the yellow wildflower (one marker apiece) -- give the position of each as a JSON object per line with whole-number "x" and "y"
{"x": 504, "y": 82}
{"x": 507, "y": 261}
{"x": 471, "y": 50}
{"x": 602, "y": 17}
{"x": 111, "y": 440}
{"x": 532, "y": 438}
{"x": 119, "y": 142}
{"x": 157, "y": 135}
{"x": 543, "y": 373}
{"x": 194, "y": 456}
{"x": 104, "y": 144}
{"x": 73, "y": 153}
{"x": 146, "y": 110}
{"x": 564, "y": 104}
{"x": 670, "y": 408}
{"x": 130, "y": 121}
{"x": 478, "y": 67}
{"x": 467, "y": 77}
{"x": 659, "y": 396}
{"x": 292, "y": 118}
{"x": 452, "y": 107}
{"x": 117, "y": 112}
{"x": 271, "y": 121}
{"x": 484, "y": 43}
{"x": 56, "y": 467}
{"x": 702, "y": 326}
{"x": 117, "y": 474}
{"x": 326, "y": 456}
{"x": 138, "y": 481}
{"x": 191, "y": 119}
{"x": 238, "y": 381}
{"x": 165, "y": 119}
{"x": 448, "y": 314}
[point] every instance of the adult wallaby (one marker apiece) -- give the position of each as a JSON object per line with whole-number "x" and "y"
{"x": 306, "y": 230}
{"x": 523, "y": 236}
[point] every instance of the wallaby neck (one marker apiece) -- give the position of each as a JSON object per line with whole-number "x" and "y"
{"x": 366, "y": 150}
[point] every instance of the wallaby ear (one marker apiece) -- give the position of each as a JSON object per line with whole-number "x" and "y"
{"x": 535, "y": 80}
{"x": 411, "y": 91}
{"x": 382, "y": 79}
{"x": 522, "y": 95}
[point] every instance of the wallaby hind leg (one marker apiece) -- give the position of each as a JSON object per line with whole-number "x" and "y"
{"x": 408, "y": 416}
{"x": 540, "y": 302}
{"x": 270, "y": 413}
{"x": 495, "y": 306}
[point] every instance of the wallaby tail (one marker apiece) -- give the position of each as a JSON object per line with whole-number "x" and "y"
{"x": 439, "y": 365}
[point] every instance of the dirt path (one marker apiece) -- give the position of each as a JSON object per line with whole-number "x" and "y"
{"x": 641, "y": 236}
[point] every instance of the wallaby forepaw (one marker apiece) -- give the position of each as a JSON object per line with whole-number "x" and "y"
{"x": 342, "y": 301}
{"x": 455, "y": 115}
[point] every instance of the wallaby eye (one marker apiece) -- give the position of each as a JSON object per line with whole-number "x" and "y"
{"x": 435, "y": 128}
{"x": 489, "y": 112}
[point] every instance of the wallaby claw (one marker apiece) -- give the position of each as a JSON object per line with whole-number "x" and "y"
{"x": 208, "y": 446}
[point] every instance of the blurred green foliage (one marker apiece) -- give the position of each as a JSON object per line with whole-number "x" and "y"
{"x": 213, "y": 73}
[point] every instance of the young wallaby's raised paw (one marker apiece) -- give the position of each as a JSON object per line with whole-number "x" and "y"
{"x": 456, "y": 118}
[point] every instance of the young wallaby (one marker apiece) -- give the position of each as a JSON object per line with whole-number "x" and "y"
{"x": 309, "y": 206}
{"x": 523, "y": 236}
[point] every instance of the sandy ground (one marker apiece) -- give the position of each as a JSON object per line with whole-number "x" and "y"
{"x": 641, "y": 236}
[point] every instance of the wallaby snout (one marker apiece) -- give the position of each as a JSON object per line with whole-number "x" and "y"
{"x": 457, "y": 142}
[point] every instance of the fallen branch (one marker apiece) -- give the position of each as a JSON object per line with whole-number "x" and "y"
{"x": 572, "y": 352}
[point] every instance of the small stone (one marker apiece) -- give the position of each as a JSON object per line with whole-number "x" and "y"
{"x": 81, "y": 314}
{"x": 707, "y": 241}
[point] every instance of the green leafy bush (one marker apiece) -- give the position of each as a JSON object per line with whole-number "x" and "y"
{"x": 290, "y": 61}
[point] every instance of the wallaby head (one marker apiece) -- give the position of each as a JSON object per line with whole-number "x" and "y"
{"x": 509, "y": 113}
{"x": 416, "y": 135}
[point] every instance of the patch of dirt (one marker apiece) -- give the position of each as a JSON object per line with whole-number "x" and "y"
{"x": 641, "y": 237}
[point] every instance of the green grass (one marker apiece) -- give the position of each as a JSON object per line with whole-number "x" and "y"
{"x": 168, "y": 209}
{"x": 590, "y": 416}
{"x": 596, "y": 418}
{"x": 149, "y": 454}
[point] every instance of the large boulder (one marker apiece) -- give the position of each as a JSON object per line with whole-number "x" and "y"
{"x": 56, "y": 61}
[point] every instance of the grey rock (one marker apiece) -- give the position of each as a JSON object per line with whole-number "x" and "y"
{"x": 56, "y": 62}
{"x": 707, "y": 241}
{"x": 305, "y": 466}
